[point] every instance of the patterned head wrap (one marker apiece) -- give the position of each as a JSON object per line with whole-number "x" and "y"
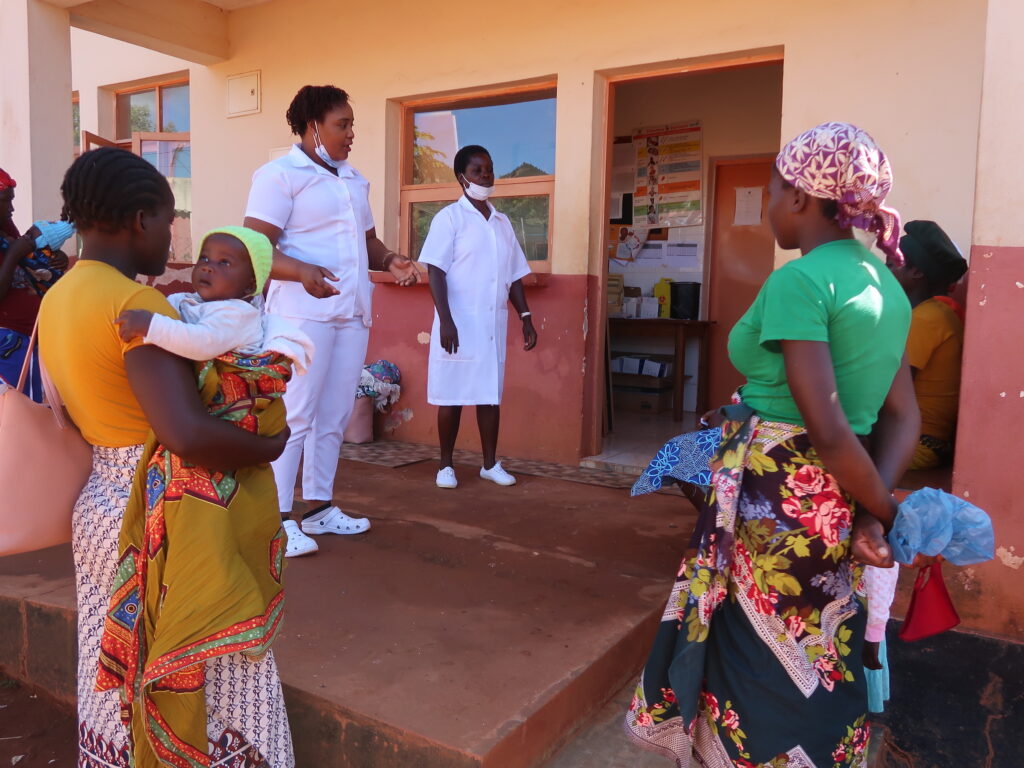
{"x": 841, "y": 162}
{"x": 261, "y": 251}
{"x": 6, "y": 182}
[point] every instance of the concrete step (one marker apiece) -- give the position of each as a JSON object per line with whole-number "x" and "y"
{"x": 476, "y": 627}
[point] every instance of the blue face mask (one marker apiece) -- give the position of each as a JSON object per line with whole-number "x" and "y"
{"x": 321, "y": 151}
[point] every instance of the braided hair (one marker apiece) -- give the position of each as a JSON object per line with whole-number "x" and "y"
{"x": 105, "y": 187}
{"x": 313, "y": 102}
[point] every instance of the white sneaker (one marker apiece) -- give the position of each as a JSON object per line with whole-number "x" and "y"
{"x": 446, "y": 478}
{"x": 497, "y": 475}
{"x": 299, "y": 544}
{"x": 333, "y": 520}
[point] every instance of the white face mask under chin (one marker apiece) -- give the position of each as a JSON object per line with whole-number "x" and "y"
{"x": 477, "y": 192}
{"x": 321, "y": 150}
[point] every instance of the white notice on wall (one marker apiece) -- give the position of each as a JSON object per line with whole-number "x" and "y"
{"x": 748, "y": 206}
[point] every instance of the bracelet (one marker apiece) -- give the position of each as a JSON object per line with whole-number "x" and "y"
{"x": 524, "y": 315}
{"x": 389, "y": 257}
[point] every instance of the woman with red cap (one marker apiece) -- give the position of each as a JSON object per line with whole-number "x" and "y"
{"x": 29, "y": 265}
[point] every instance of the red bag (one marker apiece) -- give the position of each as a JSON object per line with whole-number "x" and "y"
{"x": 931, "y": 609}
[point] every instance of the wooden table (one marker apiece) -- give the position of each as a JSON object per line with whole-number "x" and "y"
{"x": 679, "y": 331}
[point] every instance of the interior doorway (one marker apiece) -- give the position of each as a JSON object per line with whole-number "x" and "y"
{"x": 687, "y": 182}
{"x": 740, "y": 260}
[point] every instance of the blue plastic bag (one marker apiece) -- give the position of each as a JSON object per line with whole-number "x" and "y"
{"x": 932, "y": 522}
{"x": 685, "y": 457}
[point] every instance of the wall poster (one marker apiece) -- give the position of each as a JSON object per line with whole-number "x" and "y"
{"x": 668, "y": 191}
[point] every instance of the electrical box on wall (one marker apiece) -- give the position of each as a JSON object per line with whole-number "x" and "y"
{"x": 244, "y": 94}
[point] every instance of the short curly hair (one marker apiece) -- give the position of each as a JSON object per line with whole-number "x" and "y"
{"x": 464, "y": 155}
{"x": 313, "y": 102}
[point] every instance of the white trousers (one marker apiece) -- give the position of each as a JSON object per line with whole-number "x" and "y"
{"x": 319, "y": 405}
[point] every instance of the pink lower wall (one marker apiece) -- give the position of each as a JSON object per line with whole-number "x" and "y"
{"x": 543, "y": 408}
{"x": 988, "y": 596}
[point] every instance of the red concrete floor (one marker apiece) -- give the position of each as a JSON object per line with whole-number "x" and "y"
{"x": 471, "y": 627}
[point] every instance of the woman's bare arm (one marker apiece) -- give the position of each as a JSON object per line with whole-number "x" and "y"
{"x": 812, "y": 383}
{"x": 165, "y": 387}
{"x": 313, "y": 278}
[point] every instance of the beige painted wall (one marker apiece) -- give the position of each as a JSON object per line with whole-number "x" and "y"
{"x": 35, "y": 105}
{"x": 917, "y": 91}
{"x": 998, "y": 216}
{"x": 100, "y": 65}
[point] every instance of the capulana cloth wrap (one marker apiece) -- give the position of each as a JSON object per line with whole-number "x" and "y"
{"x": 686, "y": 457}
{"x": 841, "y": 162}
{"x": 261, "y": 250}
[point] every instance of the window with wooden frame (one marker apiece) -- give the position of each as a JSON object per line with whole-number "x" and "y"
{"x": 76, "y": 124}
{"x": 153, "y": 121}
{"x": 517, "y": 127}
{"x": 160, "y": 108}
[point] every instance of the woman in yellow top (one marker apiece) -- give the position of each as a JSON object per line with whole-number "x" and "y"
{"x": 117, "y": 392}
{"x": 936, "y": 342}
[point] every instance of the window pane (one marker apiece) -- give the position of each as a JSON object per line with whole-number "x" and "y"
{"x": 135, "y": 112}
{"x": 174, "y": 111}
{"x": 174, "y": 160}
{"x": 529, "y": 217}
{"x": 520, "y": 138}
{"x": 422, "y": 214}
{"x": 76, "y": 124}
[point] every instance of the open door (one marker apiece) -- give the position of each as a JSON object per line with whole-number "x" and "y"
{"x": 742, "y": 250}
{"x": 92, "y": 141}
{"x": 171, "y": 153}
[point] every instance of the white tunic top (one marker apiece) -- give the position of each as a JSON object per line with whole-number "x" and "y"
{"x": 324, "y": 220}
{"x": 209, "y": 329}
{"x": 481, "y": 258}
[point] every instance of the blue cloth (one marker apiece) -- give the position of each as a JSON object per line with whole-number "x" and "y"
{"x": 53, "y": 233}
{"x": 686, "y": 458}
{"x": 933, "y": 522}
{"x": 878, "y": 682}
{"x": 12, "y": 356}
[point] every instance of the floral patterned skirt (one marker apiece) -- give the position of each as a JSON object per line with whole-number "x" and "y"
{"x": 757, "y": 662}
{"x": 247, "y": 725}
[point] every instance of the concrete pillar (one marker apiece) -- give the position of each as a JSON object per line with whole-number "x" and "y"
{"x": 989, "y": 596}
{"x": 36, "y": 142}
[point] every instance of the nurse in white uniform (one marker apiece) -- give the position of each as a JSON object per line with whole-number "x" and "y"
{"x": 476, "y": 267}
{"x": 314, "y": 207}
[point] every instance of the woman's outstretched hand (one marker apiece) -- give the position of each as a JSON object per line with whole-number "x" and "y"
{"x": 404, "y": 270}
{"x": 315, "y": 280}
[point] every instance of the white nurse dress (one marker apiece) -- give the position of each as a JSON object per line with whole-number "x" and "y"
{"x": 481, "y": 259}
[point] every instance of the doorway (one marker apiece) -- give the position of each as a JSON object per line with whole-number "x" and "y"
{"x": 740, "y": 259}
{"x": 687, "y": 181}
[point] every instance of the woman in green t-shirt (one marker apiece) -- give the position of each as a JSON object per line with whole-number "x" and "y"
{"x": 800, "y": 489}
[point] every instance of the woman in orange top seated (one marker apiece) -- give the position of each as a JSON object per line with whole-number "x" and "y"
{"x": 933, "y": 264}
{"x": 117, "y": 392}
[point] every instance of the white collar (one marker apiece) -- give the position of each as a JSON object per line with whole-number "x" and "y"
{"x": 465, "y": 202}
{"x": 300, "y": 159}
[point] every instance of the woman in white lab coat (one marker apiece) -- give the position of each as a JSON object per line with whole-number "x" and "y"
{"x": 476, "y": 267}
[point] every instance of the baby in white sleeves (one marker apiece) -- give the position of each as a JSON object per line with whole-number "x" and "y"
{"x": 225, "y": 312}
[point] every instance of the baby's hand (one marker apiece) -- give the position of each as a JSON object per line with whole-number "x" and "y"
{"x": 133, "y": 323}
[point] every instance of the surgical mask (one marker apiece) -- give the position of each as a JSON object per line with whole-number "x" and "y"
{"x": 477, "y": 192}
{"x": 322, "y": 152}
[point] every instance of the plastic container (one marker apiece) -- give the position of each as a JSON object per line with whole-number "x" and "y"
{"x": 685, "y": 301}
{"x": 663, "y": 293}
